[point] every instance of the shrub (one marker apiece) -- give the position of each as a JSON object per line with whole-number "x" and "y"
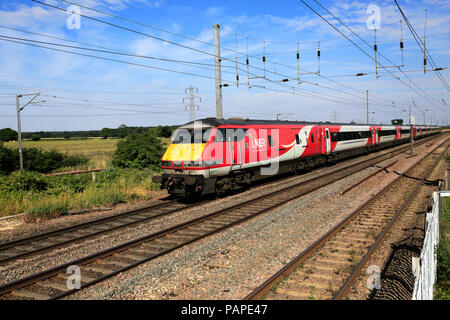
{"x": 138, "y": 151}
{"x": 37, "y": 160}
{"x": 48, "y": 208}
{"x": 9, "y": 160}
{"x": 8, "y": 134}
{"x": 23, "y": 180}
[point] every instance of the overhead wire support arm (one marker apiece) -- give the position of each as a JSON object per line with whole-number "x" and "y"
{"x": 19, "y": 125}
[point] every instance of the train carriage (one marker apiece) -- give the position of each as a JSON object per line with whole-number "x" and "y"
{"x": 212, "y": 156}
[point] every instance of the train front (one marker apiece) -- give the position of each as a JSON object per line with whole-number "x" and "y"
{"x": 185, "y": 164}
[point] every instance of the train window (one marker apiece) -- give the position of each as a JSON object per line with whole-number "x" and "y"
{"x": 220, "y": 135}
{"x": 188, "y": 136}
{"x": 297, "y": 139}
{"x": 328, "y": 136}
{"x": 230, "y": 134}
{"x": 312, "y": 138}
{"x": 269, "y": 138}
{"x": 334, "y": 136}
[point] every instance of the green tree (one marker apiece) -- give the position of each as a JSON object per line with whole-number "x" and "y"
{"x": 9, "y": 161}
{"x": 122, "y": 131}
{"x": 106, "y": 133}
{"x": 139, "y": 151}
{"x": 35, "y": 137}
{"x": 8, "y": 134}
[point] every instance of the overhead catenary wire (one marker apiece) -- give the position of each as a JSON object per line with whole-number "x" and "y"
{"x": 154, "y": 37}
{"x": 252, "y": 67}
{"x": 9, "y": 39}
{"x": 399, "y": 68}
{"x": 368, "y": 55}
{"x": 102, "y": 49}
{"x": 109, "y": 59}
{"x": 422, "y": 46}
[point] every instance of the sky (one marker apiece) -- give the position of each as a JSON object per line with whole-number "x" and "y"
{"x": 143, "y": 54}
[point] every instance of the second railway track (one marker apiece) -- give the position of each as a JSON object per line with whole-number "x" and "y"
{"x": 328, "y": 268}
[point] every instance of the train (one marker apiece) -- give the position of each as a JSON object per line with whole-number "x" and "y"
{"x": 217, "y": 156}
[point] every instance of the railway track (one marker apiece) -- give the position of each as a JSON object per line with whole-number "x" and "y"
{"x": 329, "y": 267}
{"x": 21, "y": 248}
{"x": 52, "y": 283}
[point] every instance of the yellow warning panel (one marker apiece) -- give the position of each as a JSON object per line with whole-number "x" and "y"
{"x": 184, "y": 152}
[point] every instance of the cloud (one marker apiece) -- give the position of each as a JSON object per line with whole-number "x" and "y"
{"x": 215, "y": 11}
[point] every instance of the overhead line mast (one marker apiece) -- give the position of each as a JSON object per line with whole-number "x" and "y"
{"x": 217, "y": 60}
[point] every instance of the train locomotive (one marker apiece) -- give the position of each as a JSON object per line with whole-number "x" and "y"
{"x": 216, "y": 156}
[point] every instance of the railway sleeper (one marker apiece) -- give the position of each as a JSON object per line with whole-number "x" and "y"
{"x": 310, "y": 274}
{"x": 29, "y": 294}
{"x": 84, "y": 277}
{"x": 97, "y": 269}
{"x": 53, "y": 285}
{"x": 294, "y": 293}
{"x": 129, "y": 256}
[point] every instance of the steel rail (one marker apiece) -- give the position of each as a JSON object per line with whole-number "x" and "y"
{"x": 264, "y": 288}
{"x": 343, "y": 291}
{"x": 16, "y": 244}
{"x": 211, "y": 226}
{"x": 260, "y": 205}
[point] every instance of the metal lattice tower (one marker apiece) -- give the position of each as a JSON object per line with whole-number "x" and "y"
{"x": 192, "y": 104}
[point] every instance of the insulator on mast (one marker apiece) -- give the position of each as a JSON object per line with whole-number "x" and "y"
{"x": 425, "y": 44}
{"x": 318, "y": 57}
{"x": 298, "y": 63}
{"x": 237, "y": 69}
{"x": 401, "y": 42}
{"x": 264, "y": 59}
{"x": 375, "y": 50}
{"x": 248, "y": 66}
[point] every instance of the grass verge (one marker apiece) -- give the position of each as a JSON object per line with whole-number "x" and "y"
{"x": 63, "y": 194}
{"x": 442, "y": 286}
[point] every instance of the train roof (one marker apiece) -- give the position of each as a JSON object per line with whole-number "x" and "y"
{"x": 242, "y": 122}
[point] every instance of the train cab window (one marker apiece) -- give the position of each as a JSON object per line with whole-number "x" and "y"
{"x": 220, "y": 135}
{"x": 312, "y": 138}
{"x": 188, "y": 136}
{"x": 297, "y": 139}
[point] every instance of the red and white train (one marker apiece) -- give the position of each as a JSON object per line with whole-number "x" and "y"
{"x": 215, "y": 156}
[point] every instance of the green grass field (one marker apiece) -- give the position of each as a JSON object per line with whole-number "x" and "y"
{"x": 78, "y": 192}
{"x": 99, "y": 151}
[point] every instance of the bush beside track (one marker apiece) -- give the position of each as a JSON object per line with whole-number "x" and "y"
{"x": 128, "y": 178}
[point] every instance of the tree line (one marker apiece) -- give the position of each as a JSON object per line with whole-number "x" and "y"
{"x": 8, "y": 134}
